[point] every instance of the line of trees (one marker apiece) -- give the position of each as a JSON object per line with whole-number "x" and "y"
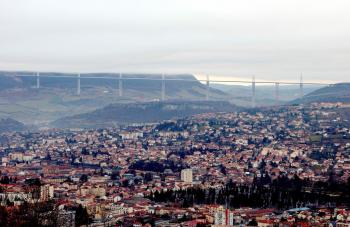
{"x": 282, "y": 193}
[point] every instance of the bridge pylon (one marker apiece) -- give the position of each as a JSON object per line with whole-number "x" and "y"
{"x": 120, "y": 85}
{"x": 207, "y": 89}
{"x": 37, "y": 80}
{"x": 78, "y": 84}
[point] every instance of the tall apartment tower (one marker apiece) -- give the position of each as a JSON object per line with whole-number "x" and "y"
{"x": 187, "y": 175}
{"x": 46, "y": 192}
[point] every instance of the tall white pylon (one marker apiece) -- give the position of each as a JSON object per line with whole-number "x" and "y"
{"x": 37, "y": 80}
{"x": 208, "y": 87}
{"x": 120, "y": 85}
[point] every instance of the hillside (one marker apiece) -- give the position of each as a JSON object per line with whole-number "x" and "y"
{"x": 265, "y": 94}
{"x": 141, "y": 113}
{"x": 333, "y": 93}
{"x": 9, "y": 125}
{"x": 57, "y": 98}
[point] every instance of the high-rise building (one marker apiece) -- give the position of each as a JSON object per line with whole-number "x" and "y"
{"x": 187, "y": 175}
{"x": 226, "y": 217}
{"x": 46, "y": 192}
{"x": 220, "y": 216}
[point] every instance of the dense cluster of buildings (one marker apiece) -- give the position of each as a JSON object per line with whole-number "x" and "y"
{"x": 112, "y": 172}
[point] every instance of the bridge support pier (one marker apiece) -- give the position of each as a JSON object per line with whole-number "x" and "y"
{"x": 37, "y": 80}
{"x": 120, "y": 85}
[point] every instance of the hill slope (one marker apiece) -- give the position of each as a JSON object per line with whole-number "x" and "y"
{"x": 333, "y": 93}
{"x": 265, "y": 94}
{"x": 141, "y": 113}
{"x": 9, "y": 125}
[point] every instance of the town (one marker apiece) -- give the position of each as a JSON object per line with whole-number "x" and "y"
{"x": 278, "y": 166}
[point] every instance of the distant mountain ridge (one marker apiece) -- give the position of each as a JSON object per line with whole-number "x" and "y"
{"x": 142, "y": 113}
{"x": 57, "y": 97}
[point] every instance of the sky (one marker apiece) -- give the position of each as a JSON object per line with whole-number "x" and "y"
{"x": 270, "y": 39}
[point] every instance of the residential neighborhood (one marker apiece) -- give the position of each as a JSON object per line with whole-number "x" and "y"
{"x": 194, "y": 171}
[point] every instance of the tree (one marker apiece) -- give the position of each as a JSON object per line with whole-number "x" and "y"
{"x": 33, "y": 182}
{"x": 81, "y": 216}
{"x": 83, "y": 178}
{"x": 148, "y": 177}
{"x": 5, "y": 180}
{"x": 3, "y": 216}
{"x": 253, "y": 222}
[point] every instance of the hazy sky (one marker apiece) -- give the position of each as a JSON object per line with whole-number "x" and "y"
{"x": 271, "y": 39}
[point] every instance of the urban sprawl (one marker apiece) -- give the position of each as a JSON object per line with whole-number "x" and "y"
{"x": 283, "y": 166}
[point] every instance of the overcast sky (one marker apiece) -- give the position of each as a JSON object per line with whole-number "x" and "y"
{"x": 271, "y": 39}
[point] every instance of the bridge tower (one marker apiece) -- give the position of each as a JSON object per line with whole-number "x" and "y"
{"x": 163, "y": 88}
{"x": 120, "y": 85}
{"x": 253, "y": 92}
{"x": 207, "y": 89}
{"x": 37, "y": 80}
{"x": 78, "y": 85}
